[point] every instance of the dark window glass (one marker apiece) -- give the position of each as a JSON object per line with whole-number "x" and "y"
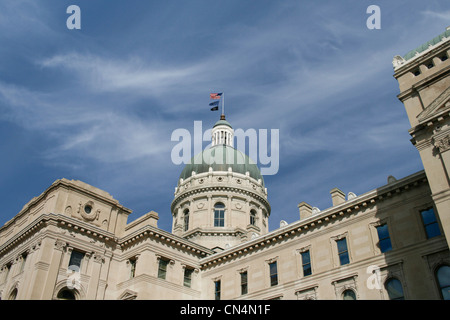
{"x": 219, "y": 215}
{"x": 443, "y": 278}
{"x": 188, "y": 277}
{"x": 75, "y": 260}
{"x": 217, "y": 290}
{"x": 132, "y": 267}
{"x": 306, "y": 263}
{"x": 384, "y": 239}
{"x": 273, "y": 273}
{"x": 430, "y": 223}
{"x": 394, "y": 289}
{"x": 343, "y": 251}
{"x": 162, "y": 268}
{"x": 349, "y": 295}
{"x": 252, "y": 217}
{"x": 87, "y": 208}
{"x": 186, "y": 220}
{"x": 244, "y": 287}
{"x": 66, "y": 294}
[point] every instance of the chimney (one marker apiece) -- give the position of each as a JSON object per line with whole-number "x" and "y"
{"x": 337, "y": 196}
{"x": 305, "y": 210}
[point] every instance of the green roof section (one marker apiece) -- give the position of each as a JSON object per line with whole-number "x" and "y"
{"x": 220, "y": 158}
{"x": 425, "y": 46}
{"x": 222, "y": 122}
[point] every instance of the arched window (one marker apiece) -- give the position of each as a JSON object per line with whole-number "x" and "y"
{"x": 66, "y": 294}
{"x": 394, "y": 289}
{"x": 443, "y": 279}
{"x": 186, "y": 220}
{"x": 348, "y": 295}
{"x": 252, "y": 217}
{"x": 219, "y": 215}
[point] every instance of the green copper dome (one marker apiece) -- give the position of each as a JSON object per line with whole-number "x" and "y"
{"x": 222, "y": 122}
{"x": 221, "y": 158}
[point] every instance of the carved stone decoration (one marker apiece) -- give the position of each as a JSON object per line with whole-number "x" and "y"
{"x": 307, "y": 294}
{"x": 60, "y": 245}
{"x": 87, "y": 211}
{"x": 200, "y": 205}
{"x": 398, "y": 61}
{"x": 68, "y": 211}
{"x": 98, "y": 258}
{"x": 443, "y": 144}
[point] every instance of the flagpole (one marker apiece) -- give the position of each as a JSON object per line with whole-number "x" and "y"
{"x": 223, "y": 104}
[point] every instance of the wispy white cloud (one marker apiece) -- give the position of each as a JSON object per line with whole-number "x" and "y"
{"x": 441, "y": 15}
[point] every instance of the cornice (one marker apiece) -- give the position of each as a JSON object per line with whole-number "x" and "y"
{"x": 419, "y": 58}
{"x": 163, "y": 236}
{"x": 69, "y": 185}
{"x": 79, "y": 226}
{"x": 425, "y": 82}
{"x": 323, "y": 218}
{"x": 60, "y": 221}
{"x": 224, "y": 188}
{"x": 214, "y": 232}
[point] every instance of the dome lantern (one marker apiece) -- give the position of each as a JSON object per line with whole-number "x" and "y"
{"x": 222, "y": 133}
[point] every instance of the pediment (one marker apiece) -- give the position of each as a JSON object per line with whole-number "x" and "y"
{"x": 128, "y": 295}
{"x": 440, "y": 105}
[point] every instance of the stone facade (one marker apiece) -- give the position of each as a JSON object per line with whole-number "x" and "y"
{"x": 73, "y": 241}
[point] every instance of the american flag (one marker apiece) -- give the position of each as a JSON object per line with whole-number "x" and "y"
{"x": 215, "y": 95}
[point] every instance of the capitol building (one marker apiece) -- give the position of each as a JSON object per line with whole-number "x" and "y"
{"x": 74, "y": 241}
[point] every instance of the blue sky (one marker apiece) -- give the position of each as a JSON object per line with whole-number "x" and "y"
{"x": 99, "y": 104}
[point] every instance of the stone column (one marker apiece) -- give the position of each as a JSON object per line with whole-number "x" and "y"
{"x": 53, "y": 269}
{"x": 97, "y": 261}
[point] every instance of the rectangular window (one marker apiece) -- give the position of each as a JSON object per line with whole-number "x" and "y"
{"x": 217, "y": 290}
{"x": 244, "y": 288}
{"x": 132, "y": 267}
{"x": 273, "y": 273}
{"x": 343, "y": 251}
{"x": 306, "y": 263}
{"x": 384, "y": 239}
{"x": 219, "y": 217}
{"x": 186, "y": 220}
{"x": 75, "y": 260}
{"x": 162, "y": 268}
{"x": 188, "y": 277}
{"x": 430, "y": 223}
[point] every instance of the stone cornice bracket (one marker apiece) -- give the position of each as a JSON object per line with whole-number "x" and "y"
{"x": 443, "y": 144}
{"x": 304, "y": 249}
{"x": 60, "y": 245}
{"x": 98, "y": 257}
{"x": 275, "y": 259}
